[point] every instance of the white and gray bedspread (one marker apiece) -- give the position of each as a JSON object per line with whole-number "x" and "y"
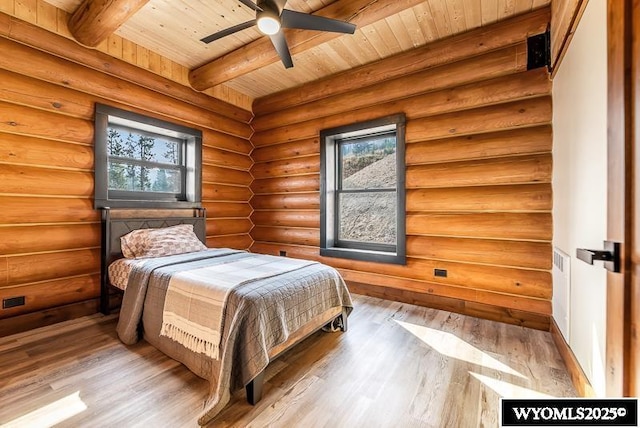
{"x": 259, "y": 315}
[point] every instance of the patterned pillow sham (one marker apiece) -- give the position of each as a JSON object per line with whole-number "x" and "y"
{"x": 166, "y": 241}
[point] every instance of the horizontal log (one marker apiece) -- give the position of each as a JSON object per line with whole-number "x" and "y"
{"x": 450, "y": 49}
{"x": 218, "y": 174}
{"x": 511, "y": 170}
{"x": 28, "y": 239}
{"x": 491, "y": 278}
{"x": 298, "y": 201}
{"x": 21, "y": 149}
{"x": 30, "y": 321}
{"x": 214, "y": 156}
{"x": 521, "y": 318}
{"x": 287, "y": 218}
{"x": 227, "y": 209}
{"x": 504, "y": 314}
{"x": 287, "y": 167}
{"x": 26, "y": 209}
{"x": 221, "y": 192}
{"x": 236, "y": 226}
{"x": 310, "y": 146}
{"x": 286, "y": 235}
{"x": 519, "y": 282}
{"x": 535, "y": 111}
{"x": 32, "y": 35}
{"x": 23, "y": 120}
{"x": 502, "y": 62}
{"x": 466, "y": 294}
{"x": 224, "y": 141}
{"x": 4, "y": 269}
{"x": 49, "y": 294}
{"x": 532, "y": 140}
{"x": 238, "y": 242}
{"x": 535, "y": 255}
{"x": 47, "y": 266}
{"x": 526, "y": 197}
{"x": 525, "y": 226}
{"x": 297, "y": 183}
{"x": 43, "y": 181}
{"x": 19, "y": 89}
{"x": 503, "y": 89}
{"x": 21, "y": 59}
{"x": 304, "y": 252}
{"x": 449, "y": 105}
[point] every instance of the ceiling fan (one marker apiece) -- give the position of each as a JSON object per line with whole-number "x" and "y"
{"x": 271, "y": 17}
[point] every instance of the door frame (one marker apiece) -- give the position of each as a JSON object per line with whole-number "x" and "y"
{"x": 623, "y": 213}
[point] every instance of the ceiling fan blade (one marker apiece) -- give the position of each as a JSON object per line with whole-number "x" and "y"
{"x": 304, "y": 21}
{"x": 280, "y": 43}
{"x": 250, "y": 5}
{"x": 228, "y": 31}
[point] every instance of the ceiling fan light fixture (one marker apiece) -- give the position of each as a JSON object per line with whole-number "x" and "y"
{"x": 268, "y": 22}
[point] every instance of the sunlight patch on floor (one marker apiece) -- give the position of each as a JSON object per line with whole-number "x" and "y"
{"x": 507, "y": 389}
{"x": 51, "y": 414}
{"x": 454, "y": 347}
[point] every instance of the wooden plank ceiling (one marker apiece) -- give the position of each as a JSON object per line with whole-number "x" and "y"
{"x": 173, "y": 29}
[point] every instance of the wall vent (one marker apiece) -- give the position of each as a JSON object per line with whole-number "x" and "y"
{"x": 561, "y": 290}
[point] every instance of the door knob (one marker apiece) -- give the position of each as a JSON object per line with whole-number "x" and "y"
{"x": 610, "y": 255}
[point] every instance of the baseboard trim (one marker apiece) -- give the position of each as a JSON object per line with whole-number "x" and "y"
{"x": 479, "y": 310}
{"x": 578, "y": 377}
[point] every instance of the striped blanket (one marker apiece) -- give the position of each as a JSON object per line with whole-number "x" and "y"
{"x": 195, "y": 301}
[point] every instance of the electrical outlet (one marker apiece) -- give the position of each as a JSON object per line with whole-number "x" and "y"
{"x": 283, "y": 253}
{"x": 12, "y": 302}
{"x": 440, "y": 272}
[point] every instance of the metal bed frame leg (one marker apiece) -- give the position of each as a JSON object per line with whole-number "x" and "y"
{"x": 342, "y": 320}
{"x": 254, "y": 389}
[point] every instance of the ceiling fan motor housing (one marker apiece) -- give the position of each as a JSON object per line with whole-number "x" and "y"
{"x": 274, "y": 6}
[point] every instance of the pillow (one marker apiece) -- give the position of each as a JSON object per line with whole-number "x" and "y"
{"x": 166, "y": 241}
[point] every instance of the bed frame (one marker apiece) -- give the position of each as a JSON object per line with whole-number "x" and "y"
{"x": 117, "y": 223}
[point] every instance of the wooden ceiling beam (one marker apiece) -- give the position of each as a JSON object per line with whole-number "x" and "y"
{"x": 260, "y": 52}
{"x": 94, "y": 20}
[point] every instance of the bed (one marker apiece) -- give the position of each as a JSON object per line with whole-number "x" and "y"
{"x": 263, "y": 316}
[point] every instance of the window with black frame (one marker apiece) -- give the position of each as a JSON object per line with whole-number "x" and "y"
{"x": 362, "y": 195}
{"x": 145, "y": 162}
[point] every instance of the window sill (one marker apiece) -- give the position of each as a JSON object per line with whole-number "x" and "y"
{"x": 136, "y": 203}
{"x": 364, "y": 255}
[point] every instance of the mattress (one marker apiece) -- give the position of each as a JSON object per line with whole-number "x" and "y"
{"x": 120, "y": 270}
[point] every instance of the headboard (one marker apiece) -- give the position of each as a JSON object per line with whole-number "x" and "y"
{"x": 118, "y": 222}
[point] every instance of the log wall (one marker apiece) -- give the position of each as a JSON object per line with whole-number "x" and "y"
{"x": 51, "y": 18}
{"x": 49, "y": 231}
{"x": 478, "y": 172}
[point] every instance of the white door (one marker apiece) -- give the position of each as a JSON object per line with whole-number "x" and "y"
{"x": 580, "y": 190}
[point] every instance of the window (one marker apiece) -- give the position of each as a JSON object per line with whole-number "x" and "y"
{"x": 145, "y": 162}
{"x": 362, "y": 191}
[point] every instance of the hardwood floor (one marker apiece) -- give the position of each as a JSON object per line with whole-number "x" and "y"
{"x": 398, "y": 365}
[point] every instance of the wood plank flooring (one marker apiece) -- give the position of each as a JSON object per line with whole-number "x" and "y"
{"x": 398, "y": 365}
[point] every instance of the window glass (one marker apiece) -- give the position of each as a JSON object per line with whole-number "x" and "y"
{"x": 144, "y": 162}
{"x": 368, "y": 164}
{"x": 368, "y": 217}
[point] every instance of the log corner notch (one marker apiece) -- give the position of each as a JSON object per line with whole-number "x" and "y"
{"x": 260, "y": 53}
{"x": 95, "y": 20}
